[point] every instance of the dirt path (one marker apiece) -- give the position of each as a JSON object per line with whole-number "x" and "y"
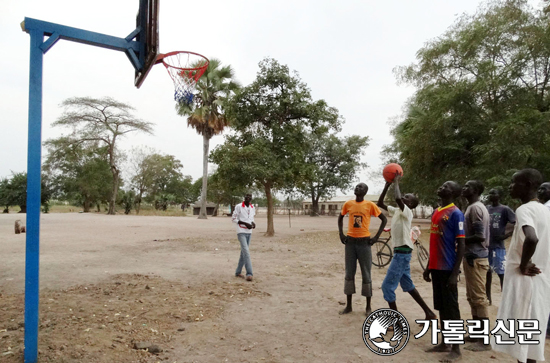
{"x": 109, "y": 282}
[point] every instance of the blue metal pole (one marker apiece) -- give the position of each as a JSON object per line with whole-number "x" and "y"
{"x": 34, "y": 166}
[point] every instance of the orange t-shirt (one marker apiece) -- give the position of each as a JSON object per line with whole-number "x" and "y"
{"x": 359, "y": 217}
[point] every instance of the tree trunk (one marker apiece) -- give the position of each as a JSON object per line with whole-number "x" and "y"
{"x": 314, "y": 204}
{"x": 114, "y": 191}
{"x": 205, "y": 144}
{"x": 87, "y": 205}
{"x": 215, "y": 212}
{"x": 270, "y": 228}
{"x": 138, "y": 204}
{"x": 23, "y": 209}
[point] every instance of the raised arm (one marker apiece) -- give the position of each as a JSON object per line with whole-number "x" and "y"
{"x": 397, "y": 191}
{"x": 380, "y": 203}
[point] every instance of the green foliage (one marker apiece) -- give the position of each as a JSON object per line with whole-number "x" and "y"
{"x": 220, "y": 191}
{"x": 127, "y": 199}
{"x": 331, "y": 163}
{"x": 80, "y": 172}
{"x": 13, "y": 192}
{"x": 271, "y": 118}
{"x": 163, "y": 200}
{"x": 156, "y": 175}
{"x": 4, "y": 195}
{"x": 100, "y": 123}
{"x": 206, "y": 115}
{"x": 481, "y": 109}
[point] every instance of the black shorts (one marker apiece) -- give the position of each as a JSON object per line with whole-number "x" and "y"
{"x": 445, "y": 297}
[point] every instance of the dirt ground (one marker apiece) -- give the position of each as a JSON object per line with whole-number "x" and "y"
{"x": 111, "y": 282}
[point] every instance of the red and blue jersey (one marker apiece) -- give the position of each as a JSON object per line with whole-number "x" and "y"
{"x": 447, "y": 226}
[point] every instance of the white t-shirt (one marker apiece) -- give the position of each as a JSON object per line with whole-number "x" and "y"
{"x": 244, "y": 214}
{"x": 401, "y": 226}
{"x": 547, "y": 204}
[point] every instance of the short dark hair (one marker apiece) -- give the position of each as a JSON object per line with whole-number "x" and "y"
{"x": 478, "y": 186}
{"x": 414, "y": 200}
{"x": 531, "y": 175}
{"x": 457, "y": 189}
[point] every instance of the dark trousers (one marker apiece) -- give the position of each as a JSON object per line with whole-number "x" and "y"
{"x": 358, "y": 249}
{"x": 445, "y": 297}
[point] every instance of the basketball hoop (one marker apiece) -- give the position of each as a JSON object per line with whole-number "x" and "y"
{"x": 185, "y": 69}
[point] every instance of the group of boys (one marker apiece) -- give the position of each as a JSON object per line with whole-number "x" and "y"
{"x": 473, "y": 241}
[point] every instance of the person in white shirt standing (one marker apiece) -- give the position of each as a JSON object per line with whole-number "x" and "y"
{"x": 526, "y": 289}
{"x": 399, "y": 271}
{"x": 243, "y": 216}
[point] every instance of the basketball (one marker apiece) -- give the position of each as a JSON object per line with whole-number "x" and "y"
{"x": 389, "y": 171}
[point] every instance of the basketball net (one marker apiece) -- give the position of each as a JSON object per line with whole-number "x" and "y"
{"x": 185, "y": 69}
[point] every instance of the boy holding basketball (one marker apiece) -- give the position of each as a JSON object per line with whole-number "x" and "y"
{"x": 358, "y": 243}
{"x": 446, "y": 253}
{"x": 399, "y": 271}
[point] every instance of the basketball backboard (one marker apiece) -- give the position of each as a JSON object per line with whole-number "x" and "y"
{"x": 148, "y": 37}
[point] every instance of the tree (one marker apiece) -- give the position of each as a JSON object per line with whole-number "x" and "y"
{"x": 80, "y": 172}
{"x": 481, "y": 108}
{"x": 141, "y": 173}
{"x": 13, "y": 191}
{"x": 101, "y": 121}
{"x": 4, "y": 194}
{"x": 221, "y": 191}
{"x": 271, "y": 117}
{"x": 127, "y": 200}
{"x": 331, "y": 163}
{"x": 206, "y": 114}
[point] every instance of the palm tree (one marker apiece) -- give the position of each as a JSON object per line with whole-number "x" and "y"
{"x": 206, "y": 114}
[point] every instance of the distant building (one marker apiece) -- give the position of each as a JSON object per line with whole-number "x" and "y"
{"x": 211, "y": 209}
{"x": 334, "y": 205}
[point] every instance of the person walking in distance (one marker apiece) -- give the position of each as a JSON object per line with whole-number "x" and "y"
{"x": 526, "y": 288}
{"x": 501, "y": 216}
{"x": 358, "y": 243}
{"x": 243, "y": 216}
{"x": 476, "y": 262}
{"x": 399, "y": 271}
{"x": 446, "y": 253}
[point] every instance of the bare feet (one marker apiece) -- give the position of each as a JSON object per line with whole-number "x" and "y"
{"x": 441, "y": 347}
{"x": 347, "y": 310}
{"x": 368, "y": 311}
{"x": 453, "y": 356}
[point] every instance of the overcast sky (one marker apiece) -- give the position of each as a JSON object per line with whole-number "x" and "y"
{"x": 345, "y": 51}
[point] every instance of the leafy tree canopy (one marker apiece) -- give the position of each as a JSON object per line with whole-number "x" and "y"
{"x": 271, "y": 117}
{"x": 481, "y": 108}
